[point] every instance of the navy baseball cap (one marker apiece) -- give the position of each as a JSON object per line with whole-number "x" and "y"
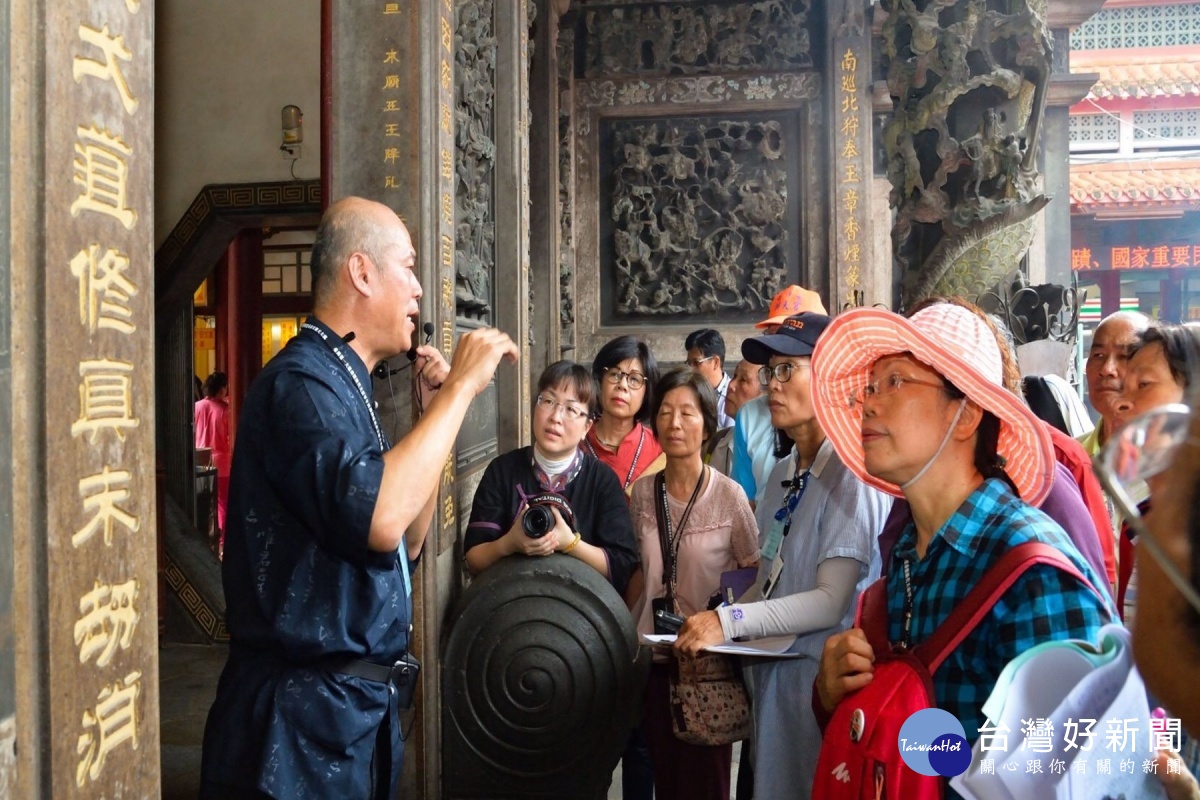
{"x": 796, "y": 336}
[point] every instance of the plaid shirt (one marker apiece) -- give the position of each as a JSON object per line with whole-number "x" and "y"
{"x": 1043, "y": 605}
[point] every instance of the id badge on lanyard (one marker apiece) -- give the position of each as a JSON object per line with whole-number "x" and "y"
{"x": 779, "y": 530}
{"x": 770, "y": 547}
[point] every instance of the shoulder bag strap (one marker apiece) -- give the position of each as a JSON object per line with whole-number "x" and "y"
{"x": 980, "y": 600}
{"x": 872, "y": 616}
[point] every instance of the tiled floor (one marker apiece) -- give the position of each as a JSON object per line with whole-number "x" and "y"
{"x": 188, "y": 684}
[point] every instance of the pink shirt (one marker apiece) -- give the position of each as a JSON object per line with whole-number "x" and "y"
{"x": 212, "y": 431}
{"x": 720, "y": 535}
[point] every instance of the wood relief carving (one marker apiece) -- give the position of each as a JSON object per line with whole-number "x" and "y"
{"x": 566, "y": 246}
{"x": 698, "y": 215}
{"x": 968, "y": 83}
{"x": 474, "y": 213}
{"x": 676, "y": 39}
{"x": 600, "y": 108}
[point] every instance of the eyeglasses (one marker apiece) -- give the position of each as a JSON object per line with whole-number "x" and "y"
{"x": 887, "y": 387}
{"x": 614, "y": 376}
{"x": 781, "y": 372}
{"x": 695, "y": 363}
{"x": 1143, "y": 448}
{"x": 548, "y": 404}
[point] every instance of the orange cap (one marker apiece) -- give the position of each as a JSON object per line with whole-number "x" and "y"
{"x": 792, "y": 300}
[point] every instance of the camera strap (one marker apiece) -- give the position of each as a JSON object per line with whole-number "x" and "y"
{"x": 668, "y": 540}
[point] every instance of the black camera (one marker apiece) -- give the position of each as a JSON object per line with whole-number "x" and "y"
{"x": 665, "y": 620}
{"x": 539, "y": 519}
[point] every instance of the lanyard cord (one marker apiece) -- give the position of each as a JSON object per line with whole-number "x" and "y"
{"x": 674, "y": 538}
{"x": 357, "y": 384}
{"x": 637, "y": 454}
{"x": 906, "y": 640}
{"x": 792, "y": 497}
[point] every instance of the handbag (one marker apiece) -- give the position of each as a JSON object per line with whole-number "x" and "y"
{"x": 709, "y": 703}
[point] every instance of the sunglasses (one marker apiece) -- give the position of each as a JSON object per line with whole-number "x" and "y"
{"x": 1142, "y": 449}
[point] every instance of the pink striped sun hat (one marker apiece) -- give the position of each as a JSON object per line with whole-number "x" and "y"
{"x": 951, "y": 340}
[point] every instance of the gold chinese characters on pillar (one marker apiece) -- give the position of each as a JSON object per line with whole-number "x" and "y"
{"x": 444, "y": 91}
{"x": 99, "y": 356}
{"x": 850, "y": 182}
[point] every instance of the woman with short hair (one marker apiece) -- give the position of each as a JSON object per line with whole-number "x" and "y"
{"x": 709, "y": 529}
{"x": 601, "y": 534}
{"x": 626, "y": 372}
{"x": 1161, "y": 371}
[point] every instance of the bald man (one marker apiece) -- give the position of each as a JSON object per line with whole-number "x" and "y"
{"x": 326, "y": 521}
{"x": 1113, "y": 342}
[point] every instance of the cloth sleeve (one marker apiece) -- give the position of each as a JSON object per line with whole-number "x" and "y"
{"x": 328, "y": 470}
{"x": 1065, "y": 506}
{"x": 491, "y": 514}
{"x": 610, "y": 526}
{"x": 852, "y": 520}
{"x": 742, "y": 470}
{"x": 743, "y": 535}
{"x": 1046, "y": 604}
{"x": 803, "y": 612}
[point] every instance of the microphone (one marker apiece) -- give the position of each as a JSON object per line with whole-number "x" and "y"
{"x": 382, "y": 371}
{"x": 348, "y": 338}
{"x": 427, "y": 329}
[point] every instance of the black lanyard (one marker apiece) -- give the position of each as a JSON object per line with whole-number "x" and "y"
{"x": 669, "y": 541}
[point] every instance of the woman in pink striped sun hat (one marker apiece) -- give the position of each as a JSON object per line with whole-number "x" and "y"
{"x": 917, "y": 408}
{"x": 944, "y": 339}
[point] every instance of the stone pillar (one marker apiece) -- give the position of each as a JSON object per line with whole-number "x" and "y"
{"x": 8, "y": 718}
{"x": 544, "y": 177}
{"x": 512, "y": 215}
{"x": 82, "y": 398}
{"x": 850, "y": 114}
{"x": 388, "y": 135}
{"x": 1065, "y": 90}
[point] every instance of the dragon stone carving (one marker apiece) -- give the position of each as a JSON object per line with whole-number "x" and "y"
{"x": 968, "y": 82}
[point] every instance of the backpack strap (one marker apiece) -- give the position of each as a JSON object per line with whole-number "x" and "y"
{"x": 872, "y": 616}
{"x": 979, "y": 601}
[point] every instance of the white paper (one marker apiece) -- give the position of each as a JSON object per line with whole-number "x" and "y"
{"x": 767, "y": 647}
{"x": 1058, "y": 681}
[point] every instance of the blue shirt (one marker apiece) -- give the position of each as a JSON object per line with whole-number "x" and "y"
{"x": 753, "y": 448}
{"x": 838, "y": 516}
{"x": 301, "y": 585}
{"x": 1043, "y": 605}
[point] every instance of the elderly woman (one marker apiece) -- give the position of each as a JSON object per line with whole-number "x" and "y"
{"x": 602, "y": 533}
{"x": 1160, "y": 448}
{"x": 1161, "y": 372}
{"x": 817, "y": 525}
{"x": 709, "y": 530}
{"x": 917, "y": 407}
{"x": 626, "y": 371}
